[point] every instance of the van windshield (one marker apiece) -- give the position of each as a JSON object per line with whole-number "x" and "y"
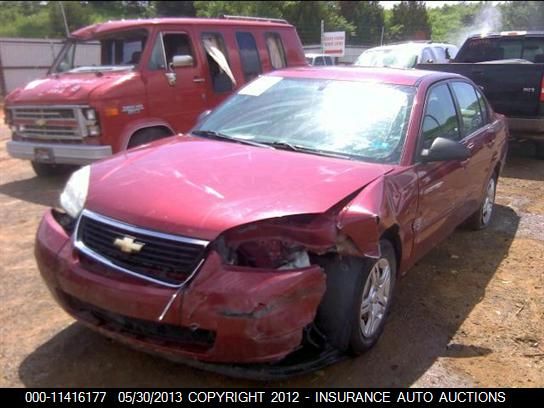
{"x": 118, "y": 51}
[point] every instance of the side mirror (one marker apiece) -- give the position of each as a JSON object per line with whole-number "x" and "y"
{"x": 203, "y": 115}
{"x": 444, "y": 150}
{"x": 182, "y": 61}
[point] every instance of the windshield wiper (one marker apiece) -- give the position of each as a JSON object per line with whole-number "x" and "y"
{"x": 298, "y": 148}
{"x": 222, "y": 136}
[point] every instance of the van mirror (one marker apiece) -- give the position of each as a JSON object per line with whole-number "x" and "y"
{"x": 182, "y": 61}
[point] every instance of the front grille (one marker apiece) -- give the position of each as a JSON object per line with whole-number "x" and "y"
{"x": 49, "y": 123}
{"x": 138, "y": 328}
{"x": 166, "y": 258}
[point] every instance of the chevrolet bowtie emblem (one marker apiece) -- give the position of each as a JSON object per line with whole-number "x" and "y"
{"x": 40, "y": 122}
{"x": 128, "y": 245}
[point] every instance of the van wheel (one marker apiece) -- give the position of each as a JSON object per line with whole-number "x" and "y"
{"x": 145, "y": 136}
{"x": 52, "y": 170}
{"x": 358, "y": 298}
{"x": 482, "y": 217}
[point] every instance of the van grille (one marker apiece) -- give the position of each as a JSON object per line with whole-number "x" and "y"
{"x": 166, "y": 258}
{"x": 49, "y": 123}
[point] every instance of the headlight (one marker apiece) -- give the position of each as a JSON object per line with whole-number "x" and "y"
{"x": 74, "y": 195}
{"x": 90, "y": 114}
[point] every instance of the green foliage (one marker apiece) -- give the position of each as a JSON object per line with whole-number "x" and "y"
{"x": 368, "y": 19}
{"x": 174, "y": 8}
{"x": 450, "y": 22}
{"x": 523, "y": 15}
{"x": 409, "y": 21}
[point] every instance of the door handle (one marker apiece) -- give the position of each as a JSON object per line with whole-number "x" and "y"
{"x": 198, "y": 80}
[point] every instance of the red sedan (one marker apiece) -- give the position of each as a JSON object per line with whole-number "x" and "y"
{"x": 281, "y": 221}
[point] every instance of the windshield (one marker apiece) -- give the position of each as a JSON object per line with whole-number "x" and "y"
{"x": 398, "y": 57}
{"x": 356, "y": 120}
{"x": 121, "y": 50}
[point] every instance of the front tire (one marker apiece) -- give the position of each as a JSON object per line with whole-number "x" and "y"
{"x": 51, "y": 170}
{"x": 358, "y": 298}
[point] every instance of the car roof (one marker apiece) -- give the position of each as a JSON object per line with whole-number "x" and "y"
{"x": 110, "y": 26}
{"x": 398, "y": 76}
{"x": 415, "y": 45}
{"x": 312, "y": 55}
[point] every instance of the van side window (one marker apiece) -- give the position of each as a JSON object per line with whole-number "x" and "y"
{"x": 251, "y": 63}
{"x": 275, "y": 50}
{"x": 469, "y": 107}
{"x": 440, "y": 119}
{"x": 166, "y": 47}
{"x": 220, "y": 71}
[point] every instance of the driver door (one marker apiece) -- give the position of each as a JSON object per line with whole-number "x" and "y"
{"x": 175, "y": 94}
{"x": 442, "y": 184}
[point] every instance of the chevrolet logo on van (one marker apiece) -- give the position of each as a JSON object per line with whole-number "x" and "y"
{"x": 40, "y": 122}
{"x": 128, "y": 245}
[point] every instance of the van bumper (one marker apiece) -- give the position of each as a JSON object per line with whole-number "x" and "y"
{"x": 58, "y": 153}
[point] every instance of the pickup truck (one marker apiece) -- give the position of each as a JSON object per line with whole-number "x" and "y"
{"x": 509, "y": 68}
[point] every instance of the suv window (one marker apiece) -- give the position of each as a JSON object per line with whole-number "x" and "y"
{"x": 275, "y": 50}
{"x": 319, "y": 61}
{"x": 249, "y": 56}
{"x": 166, "y": 47}
{"x": 469, "y": 107}
{"x": 427, "y": 56}
{"x": 488, "y": 49}
{"x": 440, "y": 118}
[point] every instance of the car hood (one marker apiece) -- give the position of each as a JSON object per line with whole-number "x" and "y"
{"x": 199, "y": 188}
{"x": 66, "y": 88}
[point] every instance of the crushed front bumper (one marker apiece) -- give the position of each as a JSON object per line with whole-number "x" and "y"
{"x": 225, "y": 315}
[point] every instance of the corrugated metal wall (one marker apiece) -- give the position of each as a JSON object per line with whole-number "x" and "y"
{"x": 23, "y": 60}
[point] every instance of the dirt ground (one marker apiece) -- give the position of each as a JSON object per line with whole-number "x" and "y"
{"x": 471, "y": 313}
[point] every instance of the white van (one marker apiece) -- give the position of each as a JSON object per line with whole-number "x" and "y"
{"x": 319, "y": 59}
{"x": 407, "y": 55}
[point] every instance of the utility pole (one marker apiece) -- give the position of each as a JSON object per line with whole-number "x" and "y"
{"x": 64, "y": 18}
{"x": 381, "y": 38}
{"x": 322, "y": 31}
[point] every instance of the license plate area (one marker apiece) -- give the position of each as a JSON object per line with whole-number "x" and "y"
{"x": 44, "y": 155}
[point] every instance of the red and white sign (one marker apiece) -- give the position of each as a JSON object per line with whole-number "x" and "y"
{"x": 334, "y": 43}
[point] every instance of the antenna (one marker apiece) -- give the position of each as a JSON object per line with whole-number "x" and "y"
{"x": 64, "y": 18}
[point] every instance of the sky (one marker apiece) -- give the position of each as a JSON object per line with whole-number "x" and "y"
{"x": 429, "y": 4}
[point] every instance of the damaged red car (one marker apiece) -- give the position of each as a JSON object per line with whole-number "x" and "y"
{"x": 273, "y": 233}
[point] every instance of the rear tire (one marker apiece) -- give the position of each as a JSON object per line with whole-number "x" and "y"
{"x": 358, "y": 298}
{"x": 52, "y": 170}
{"x": 145, "y": 136}
{"x": 482, "y": 217}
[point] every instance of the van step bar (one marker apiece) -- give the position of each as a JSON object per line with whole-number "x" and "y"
{"x": 271, "y": 20}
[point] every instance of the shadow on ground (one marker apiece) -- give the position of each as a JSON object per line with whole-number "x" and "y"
{"x": 432, "y": 301}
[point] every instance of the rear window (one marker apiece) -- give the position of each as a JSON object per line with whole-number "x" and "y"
{"x": 489, "y": 49}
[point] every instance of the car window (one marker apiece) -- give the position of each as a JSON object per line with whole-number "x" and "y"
{"x": 166, "y": 47}
{"x": 483, "y": 107}
{"x": 319, "y": 61}
{"x": 440, "y": 118}
{"x": 469, "y": 107}
{"x": 533, "y": 50}
{"x": 275, "y": 50}
{"x": 329, "y": 61}
{"x": 249, "y": 56}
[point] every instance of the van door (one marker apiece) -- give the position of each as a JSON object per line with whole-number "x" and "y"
{"x": 175, "y": 94}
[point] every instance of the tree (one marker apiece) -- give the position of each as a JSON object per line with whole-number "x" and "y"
{"x": 368, "y": 19}
{"x": 175, "y": 8}
{"x": 522, "y": 15}
{"x": 409, "y": 21}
